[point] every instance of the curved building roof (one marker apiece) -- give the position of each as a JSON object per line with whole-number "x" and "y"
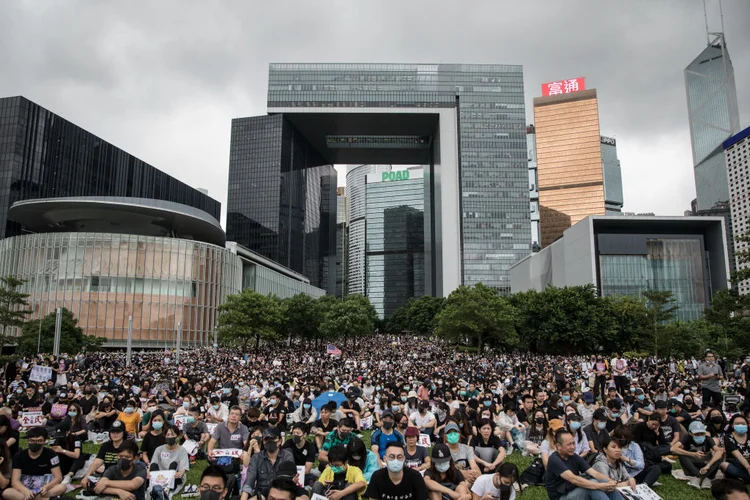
{"x": 113, "y": 214}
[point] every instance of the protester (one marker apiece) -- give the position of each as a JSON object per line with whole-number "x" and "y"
{"x": 36, "y": 470}
{"x": 395, "y": 480}
{"x": 699, "y": 455}
{"x": 340, "y": 480}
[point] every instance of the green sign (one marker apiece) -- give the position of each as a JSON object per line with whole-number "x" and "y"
{"x": 398, "y": 175}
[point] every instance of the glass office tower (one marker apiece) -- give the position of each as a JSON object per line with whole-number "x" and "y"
{"x": 714, "y": 117}
{"x": 43, "y": 155}
{"x": 394, "y": 257}
{"x": 613, "y": 199}
{"x": 492, "y": 185}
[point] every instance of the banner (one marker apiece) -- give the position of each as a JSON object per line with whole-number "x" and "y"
{"x": 211, "y": 427}
{"x": 31, "y": 419}
{"x": 40, "y": 373}
{"x": 228, "y": 452}
{"x": 424, "y": 440}
{"x": 190, "y": 446}
{"x": 642, "y": 492}
{"x": 180, "y": 421}
{"x": 163, "y": 478}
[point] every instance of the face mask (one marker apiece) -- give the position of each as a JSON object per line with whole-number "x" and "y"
{"x": 215, "y": 407}
{"x": 566, "y": 398}
{"x": 601, "y": 425}
{"x": 296, "y": 439}
{"x": 699, "y": 439}
{"x": 186, "y": 404}
{"x": 406, "y": 387}
{"x": 540, "y": 420}
{"x": 395, "y": 465}
{"x": 387, "y": 425}
{"x": 191, "y": 420}
{"x": 394, "y": 409}
{"x": 35, "y": 447}
{"x": 157, "y": 425}
{"x": 72, "y": 413}
{"x": 641, "y": 397}
{"x": 504, "y": 488}
{"x": 337, "y": 469}
{"x": 171, "y": 441}
{"x": 615, "y": 414}
{"x": 403, "y": 399}
{"x": 740, "y": 429}
{"x": 453, "y": 437}
{"x": 272, "y": 402}
{"x": 306, "y": 406}
{"x": 686, "y": 391}
{"x": 129, "y": 410}
{"x": 271, "y": 446}
{"x": 575, "y": 425}
{"x": 123, "y": 464}
{"x": 717, "y": 419}
{"x": 443, "y": 467}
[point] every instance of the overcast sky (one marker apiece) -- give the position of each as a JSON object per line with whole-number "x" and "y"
{"x": 163, "y": 79}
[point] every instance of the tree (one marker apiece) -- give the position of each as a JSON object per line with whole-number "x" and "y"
{"x": 72, "y": 338}
{"x": 477, "y": 314}
{"x": 349, "y": 318}
{"x": 422, "y": 314}
{"x": 661, "y": 310}
{"x": 631, "y": 320}
{"x": 727, "y": 313}
{"x": 303, "y": 317}
{"x": 13, "y": 306}
{"x": 399, "y": 320}
{"x": 250, "y": 315}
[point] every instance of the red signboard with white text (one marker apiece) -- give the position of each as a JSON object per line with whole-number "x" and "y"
{"x": 564, "y": 86}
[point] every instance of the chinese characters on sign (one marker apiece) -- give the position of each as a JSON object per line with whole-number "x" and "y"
{"x": 564, "y": 86}
{"x": 31, "y": 419}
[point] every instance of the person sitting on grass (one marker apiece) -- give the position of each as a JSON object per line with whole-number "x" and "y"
{"x": 127, "y": 479}
{"x": 700, "y": 456}
{"x": 171, "y": 456}
{"x": 213, "y": 483}
{"x": 442, "y": 479}
{"x": 339, "y": 480}
{"x": 36, "y": 470}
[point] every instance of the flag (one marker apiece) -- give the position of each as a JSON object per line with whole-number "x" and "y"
{"x": 333, "y": 350}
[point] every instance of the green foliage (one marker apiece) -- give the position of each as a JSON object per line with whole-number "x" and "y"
{"x": 399, "y": 320}
{"x": 349, "y": 318}
{"x": 728, "y": 312}
{"x": 477, "y": 315}
{"x": 661, "y": 309}
{"x": 682, "y": 339}
{"x": 303, "y": 316}
{"x": 250, "y": 315}
{"x": 631, "y": 322}
{"x": 72, "y": 339}
{"x": 14, "y": 306}
{"x": 417, "y": 316}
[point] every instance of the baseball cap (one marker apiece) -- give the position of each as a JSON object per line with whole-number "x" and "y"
{"x": 674, "y": 402}
{"x": 412, "y": 394}
{"x": 440, "y": 453}
{"x": 387, "y": 413}
{"x": 697, "y": 428}
{"x": 451, "y": 427}
{"x": 117, "y": 426}
{"x": 270, "y": 433}
{"x": 588, "y": 397}
{"x": 660, "y": 404}
{"x": 411, "y": 431}
{"x": 555, "y": 424}
{"x": 287, "y": 468}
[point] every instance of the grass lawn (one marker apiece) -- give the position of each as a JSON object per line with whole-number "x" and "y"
{"x": 671, "y": 488}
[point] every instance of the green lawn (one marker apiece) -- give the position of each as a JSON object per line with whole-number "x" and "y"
{"x": 671, "y": 488}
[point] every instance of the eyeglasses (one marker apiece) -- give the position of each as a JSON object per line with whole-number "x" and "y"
{"x": 208, "y": 487}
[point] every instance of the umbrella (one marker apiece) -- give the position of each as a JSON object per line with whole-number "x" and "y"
{"x": 326, "y": 397}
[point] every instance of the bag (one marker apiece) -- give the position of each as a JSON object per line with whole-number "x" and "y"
{"x": 534, "y": 474}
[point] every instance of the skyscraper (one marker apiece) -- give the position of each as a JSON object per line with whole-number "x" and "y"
{"x": 736, "y": 154}
{"x": 613, "y": 199}
{"x": 533, "y": 188}
{"x": 714, "y": 117}
{"x": 465, "y": 123}
{"x": 569, "y": 161}
{"x": 42, "y": 155}
{"x": 342, "y": 240}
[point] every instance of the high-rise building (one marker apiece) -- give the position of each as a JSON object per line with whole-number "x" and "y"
{"x": 569, "y": 161}
{"x": 736, "y": 155}
{"x": 42, "y": 155}
{"x": 282, "y": 198}
{"x": 533, "y": 189}
{"x": 342, "y": 240}
{"x": 464, "y": 123}
{"x": 613, "y": 199}
{"x": 714, "y": 117}
{"x": 394, "y": 256}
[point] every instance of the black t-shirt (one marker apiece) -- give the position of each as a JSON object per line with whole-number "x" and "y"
{"x": 66, "y": 462}
{"x": 39, "y": 466}
{"x": 109, "y": 453}
{"x": 669, "y": 427}
{"x": 301, "y": 455}
{"x": 332, "y": 424}
{"x": 114, "y": 474}
{"x": 522, "y": 416}
{"x": 478, "y": 442}
{"x": 411, "y": 487}
{"x": 730, "y": 443}
{"x": 10, "y": 433}
{"x": 151, "y": 443}
{"x": 448, "y": 482}
{"x": 88, "y": 404}
{"x": 595, "y": 435}
{"x": 417, "y": 459}
{"x": 642, "y": 434}
{"x": 556, "y": 466}
{"x": 689, "y": 444}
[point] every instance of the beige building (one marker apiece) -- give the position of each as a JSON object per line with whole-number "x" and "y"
{"x": 569, "y": 161}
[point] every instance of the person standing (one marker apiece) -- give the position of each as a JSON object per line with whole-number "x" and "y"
{"x": 710, "y": 373}
{"x": 619, "y": 371}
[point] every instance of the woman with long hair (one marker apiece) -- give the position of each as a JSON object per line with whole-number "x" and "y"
{"x": 498, "y": 485}
{"x": 573, "y": 423}
{"x": 610, "y": 463}
{"x": 737, "y": 445}
{"x": 488, "y": 449}
{"x": 360, "y": 456}
{"x": 442, "y": 479}
{"x": 537, "y": 432}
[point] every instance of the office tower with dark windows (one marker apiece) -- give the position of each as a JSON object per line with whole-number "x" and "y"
{"x": 394, "y": 240}
{"x": 737, "y": 158}
{"x": 613, "y": 199}
{"x": 464, "y": 123}
{"x": 533, "y": 189}
{"x": 42, "y": 155}
{"x": 342, "y": 240}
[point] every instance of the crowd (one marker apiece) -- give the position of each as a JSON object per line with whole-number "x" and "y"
{"x": 288, "y": 423}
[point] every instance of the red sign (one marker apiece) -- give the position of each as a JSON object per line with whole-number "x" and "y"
{"x": 564, "y": 86}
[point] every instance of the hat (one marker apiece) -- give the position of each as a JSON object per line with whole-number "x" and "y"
{"x": 387, "y": 413}
{"x": 287, "y": 468}
{"x": 451, "y": 427}
{"x": 556, "y": 424}
{"x": 660, "y": 404}
{"x": 412, "y": 394}
{"x": 638, "y": 392}
{"x": 588, "y": 397}
{"x": 270, "y": 433}
{"x": 674, "y": 402}
{"x": 440, "y": 453}
{"x": 117, "y": 426}
{"x": 411, "y": 432}
{"x": 600, "y": 414}
{"x": 697, "y": 427}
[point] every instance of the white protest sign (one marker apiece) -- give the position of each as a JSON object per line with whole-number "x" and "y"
{"x": 31, "y": 419}
{"x": 163, "y": 478}
{"x": 301, "y": 476}
{"x": 424, "y": 440}
{"x": 318, "y": 497}
{"x": 40, "y": 373}
{"x": 180, "y": 421}
{"x": 190, "y": 446}
{"x": 366, "y": 423}
{"x": 228, "y": 452}
{"x": 211, "y": 427}
{"x": 642, "y": 492}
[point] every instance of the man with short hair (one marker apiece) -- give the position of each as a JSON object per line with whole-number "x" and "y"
{"x": 729, "y": 489}
{"x": 126, "y": 478}
{"x": 563, "y": 477}
{"x": 323, "y": 426}
{"x": 700, "y": 456}
{"x": 265, "y": 465}
{"x": 710, "y": 374}
{"x": 669, "y": 425}
{"x": 303, "y": 451}
{"x": 35, "y": 471}
{"x": 339, "y": 480}
{"x": 217, "y": 413}
{"x": 395, "y": 480}
{"x": 423, "y": 419}
{"x": 232, "y": 434}
{"x": 284, "y": 488}
{"x": 596, "y": 432}
{"x": 108, "y": 454}
{"x": 381, "y": 437}
{"x": 339, "y": 437}
{"x": 213, "y": 484}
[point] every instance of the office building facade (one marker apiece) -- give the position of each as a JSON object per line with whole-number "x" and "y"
{"x": 394, "y": 241}
{"x": 465, "y": 123}
{"x": 282, "y": 198}
{"x": 43, "y": 155}
{"x": 613, "y": 198}
{"x": 737, "y": 158}
{"x": 342, "y": 241}
{"x": 630, "y": 255}
{"x": 569, "y": 161}
{"x": 533, "y": 189}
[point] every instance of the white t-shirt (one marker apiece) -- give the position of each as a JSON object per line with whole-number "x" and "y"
{"x": 484, "y": 485}
{"x": 420, "y": 420}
